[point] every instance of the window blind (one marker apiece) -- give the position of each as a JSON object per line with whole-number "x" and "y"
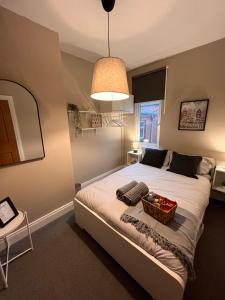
{"x": 150, "y": 86}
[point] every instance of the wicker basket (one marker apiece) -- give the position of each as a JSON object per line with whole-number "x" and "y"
{"x": 96, "y": 120}
{"x": 161, "y": 215}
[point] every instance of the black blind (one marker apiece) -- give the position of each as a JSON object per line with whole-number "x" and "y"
{"x": 150, "y": 86}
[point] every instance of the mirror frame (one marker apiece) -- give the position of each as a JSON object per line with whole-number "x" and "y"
{"x": 39, "y": 122}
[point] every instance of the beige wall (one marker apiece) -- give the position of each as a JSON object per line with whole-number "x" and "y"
{"x": 29, "y": 54}
{"x": 92, "y": 154}
{"x": 195, "y": 74}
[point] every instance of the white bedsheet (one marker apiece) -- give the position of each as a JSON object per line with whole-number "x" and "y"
{"x": 190, "y": 194}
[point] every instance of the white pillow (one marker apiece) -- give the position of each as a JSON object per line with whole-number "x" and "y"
{"x": 168, "y": 158}
{"x": 206, "y": 165}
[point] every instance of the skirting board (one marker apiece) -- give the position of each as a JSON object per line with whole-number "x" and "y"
{"x": 53, "y": 215}
{"x": 101, "y": 176}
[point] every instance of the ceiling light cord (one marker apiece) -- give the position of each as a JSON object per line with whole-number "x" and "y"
{"x": 109, "y": 54}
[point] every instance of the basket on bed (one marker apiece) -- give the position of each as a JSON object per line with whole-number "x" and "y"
{"x": 163, "y": 216}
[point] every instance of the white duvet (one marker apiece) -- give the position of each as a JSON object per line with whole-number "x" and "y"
{"x": 190, "y": 194}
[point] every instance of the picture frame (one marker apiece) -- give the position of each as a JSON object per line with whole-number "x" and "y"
{"x": 7, "y": 212}
{"x": 193, "y": 115}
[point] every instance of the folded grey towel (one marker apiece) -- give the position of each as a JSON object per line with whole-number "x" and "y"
{"x": 135, "y": 194}
{"x": 122, "y": 190}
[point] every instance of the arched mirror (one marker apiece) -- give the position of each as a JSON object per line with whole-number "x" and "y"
{"x": 20, "y": 130}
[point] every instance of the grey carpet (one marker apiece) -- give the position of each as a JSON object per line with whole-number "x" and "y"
{"x": 68, "y": 264}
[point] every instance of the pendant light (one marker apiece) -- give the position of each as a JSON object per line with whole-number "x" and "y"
{"x": 109, "y": 82}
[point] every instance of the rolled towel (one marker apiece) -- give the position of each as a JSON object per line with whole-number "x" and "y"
{"x": 122, "y": 190}
{"x": 135, "y": 194}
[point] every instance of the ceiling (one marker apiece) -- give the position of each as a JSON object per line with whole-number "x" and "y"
{"x": 141, "y": 31}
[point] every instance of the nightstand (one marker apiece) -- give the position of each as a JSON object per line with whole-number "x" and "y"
{"x": 218, "y": 187}
{"x": 133, "y": 157}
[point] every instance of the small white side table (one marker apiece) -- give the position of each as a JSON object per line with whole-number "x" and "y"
{"x": 218, "y": 187}
{"x": 133, "y": 157}
{"x": 5, "y": 234}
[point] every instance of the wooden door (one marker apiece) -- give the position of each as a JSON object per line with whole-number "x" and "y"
{"x": 8, "y": 146}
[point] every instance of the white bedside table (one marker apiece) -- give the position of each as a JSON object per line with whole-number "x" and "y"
{"x": 5, "y": 234}
{"x": 218, "y": 187}
{"x": 133, "y": 157}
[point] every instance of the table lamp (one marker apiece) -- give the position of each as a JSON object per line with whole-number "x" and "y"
{"x": 135, "y": 146}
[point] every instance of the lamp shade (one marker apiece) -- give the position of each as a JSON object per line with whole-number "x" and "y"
{"x": 109, "y": 81}
{"x": 135, "y": 145}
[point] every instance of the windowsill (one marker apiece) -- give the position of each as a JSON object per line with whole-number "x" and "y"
{"x": 149, "y": 145}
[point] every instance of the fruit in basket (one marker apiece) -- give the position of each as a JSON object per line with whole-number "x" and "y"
{"x": 157, "y": 200}
{"x": 161, "y": 202}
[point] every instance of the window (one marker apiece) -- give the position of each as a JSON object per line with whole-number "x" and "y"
{"x": 148, "y": 121}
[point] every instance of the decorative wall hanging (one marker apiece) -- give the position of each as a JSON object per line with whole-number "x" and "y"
{"x": 193, "y": 115}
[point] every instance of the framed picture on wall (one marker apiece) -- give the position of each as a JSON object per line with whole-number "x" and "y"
{"x": 7, "y": 211}
{"x": 193, "y": 115}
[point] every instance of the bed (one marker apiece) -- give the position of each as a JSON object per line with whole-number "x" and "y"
{"x": 156, "y": 269}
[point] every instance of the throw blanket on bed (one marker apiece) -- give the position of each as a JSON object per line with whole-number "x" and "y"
{"x": 177, "y": 237}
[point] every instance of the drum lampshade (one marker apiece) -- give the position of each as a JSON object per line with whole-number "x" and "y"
{"x": 109, "y": 81}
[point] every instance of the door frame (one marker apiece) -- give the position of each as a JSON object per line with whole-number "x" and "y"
{"x": 15, "y": 125}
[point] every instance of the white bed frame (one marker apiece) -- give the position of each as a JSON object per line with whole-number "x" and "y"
{"x": 158, "y": 280}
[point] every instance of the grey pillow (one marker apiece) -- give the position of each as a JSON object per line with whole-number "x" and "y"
{"x": 154, "y": 157}
{"x": 185, "y": 164}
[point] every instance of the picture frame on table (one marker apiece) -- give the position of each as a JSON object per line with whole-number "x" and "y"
{"x": 7, "y": 212}
{"x": 193, "y": 115}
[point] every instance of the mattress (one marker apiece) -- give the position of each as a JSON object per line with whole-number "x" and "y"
{"x": 190, "y": 194}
